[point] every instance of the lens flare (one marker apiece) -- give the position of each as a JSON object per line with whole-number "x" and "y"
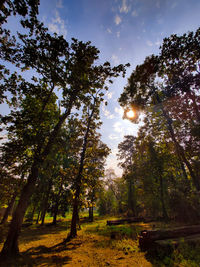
{"x": 130, "y": 114}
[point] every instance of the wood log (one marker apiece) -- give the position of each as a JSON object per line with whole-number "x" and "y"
{"x": 129, "y": 220}
{"x": 166, "y": 247}
{"x": 147, "y": 238}
{"x": 117, "y": 222}
{"x": 175, "y": 241}
{"x": 27, "y": 224}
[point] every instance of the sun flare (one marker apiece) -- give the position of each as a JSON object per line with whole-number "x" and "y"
{"x": 130, "y": 114}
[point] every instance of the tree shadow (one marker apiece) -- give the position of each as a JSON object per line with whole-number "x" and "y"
{"x": 27, "y": 260}
{"x": 36, "y": 232}
{"x": 63, "y": 246}
{"x": 43, "y": 255}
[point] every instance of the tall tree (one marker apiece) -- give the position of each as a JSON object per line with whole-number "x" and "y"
{"x": 152, "y": 83}
{"x": 96, "y": 154}
{"x": 126, "y": 151}
{"x": 90, "y": 116}
{"x": 58, "y": 65}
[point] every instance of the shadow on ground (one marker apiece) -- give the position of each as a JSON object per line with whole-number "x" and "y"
{"x": 63, "y": 246}
{"x": 26, "y": 260}
{"x": 42, "y": 255}
{"x": 34, "y": 232}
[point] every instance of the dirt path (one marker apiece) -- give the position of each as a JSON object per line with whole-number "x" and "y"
{"x": 92, "y": 253}
{"x": 43, "y": 246}
{"x": 87, "y": 250}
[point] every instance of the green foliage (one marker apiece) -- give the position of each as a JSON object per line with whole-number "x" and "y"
{"x": 43, "y": 64}
{"x": 107, "y": 203}
{"x": 184, "y": 255}
{"x": 162, "y": 160}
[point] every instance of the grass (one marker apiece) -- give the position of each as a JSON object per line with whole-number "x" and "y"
{"x": 185, "y": 255}
{"x": 96, "y": 245}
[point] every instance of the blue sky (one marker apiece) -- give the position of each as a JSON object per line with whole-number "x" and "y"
{"x": 124, "y": 31}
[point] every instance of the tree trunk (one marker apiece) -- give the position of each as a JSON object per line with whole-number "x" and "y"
{"x": 164, "y": 211}
{"x": 57, "y": 202}
{"x": 55, "y": 212}
{"x": 179, "y": 150}
{"x": 38, "y": 217}
{"x": 10, "y": 247}
{"x": 9, "y": 208}
{"x": 43, "y": 213}
{"x": 91, "y": 215}
{"x": 12, "y": 202}
{"x": 131, "y": 197}
{"x": 181, "y": 153}
{"x": 45, "y": 206}
{"x": 73, "y": 231}
{"x": 32, "y": 214}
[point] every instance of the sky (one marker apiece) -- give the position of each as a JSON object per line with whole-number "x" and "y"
{"x": 125, "y": 31}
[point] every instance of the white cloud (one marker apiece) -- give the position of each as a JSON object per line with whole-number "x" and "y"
{"x": 149, "y": 43}
{"x": 57, "y": 25}
{"x": 109, "y": 30}
{"x": 59, "y": 4}
{"x": 118, "y": 34}
{"x": 113, "y": 137}
{"x": 107, "y": 113}
{"x": 115, "y": 59}
{"x": 118, "y": 127}
{"x": 57, "y": 18}
{"x": 109, "y": 95}
{"x": 120, "y": 111}
{"x": 124, "y": 8}
{"x": 158, "y": 43}
{"x": 134, "y": 13}
{"x": 53, "y": 28}
{"x": 118, "y": 20}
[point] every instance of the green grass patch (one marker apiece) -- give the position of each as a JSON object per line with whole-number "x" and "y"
{"x": 114, "y": 231}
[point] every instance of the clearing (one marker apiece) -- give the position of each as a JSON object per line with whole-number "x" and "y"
{"x": 96, "y": 245}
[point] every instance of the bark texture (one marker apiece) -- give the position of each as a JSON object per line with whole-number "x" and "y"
{"x": 10, "y": 247}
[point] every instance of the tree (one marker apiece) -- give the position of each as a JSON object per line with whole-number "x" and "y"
{"x": 172, "y": 73}
{"x": 96, "y": 154}
{"x": 90, "y": 115}
{"x": 126, "y": 151}
{"x": 58, "y": 65}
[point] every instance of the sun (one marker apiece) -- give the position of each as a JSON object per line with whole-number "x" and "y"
{"x": 130, "y": 114}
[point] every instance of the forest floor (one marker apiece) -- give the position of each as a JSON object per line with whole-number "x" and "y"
{"x": 96, "y": 245}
